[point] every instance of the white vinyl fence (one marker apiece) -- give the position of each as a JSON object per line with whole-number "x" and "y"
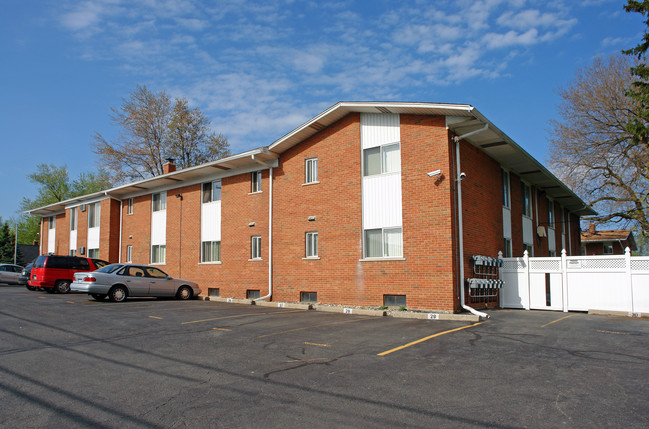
{"x": 577, "y": 283}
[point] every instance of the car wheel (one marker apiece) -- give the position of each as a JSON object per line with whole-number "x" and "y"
{"x": 98, "y": 296}
{"x": 118, "y": 294}
{"x": 184, "y": 292}
{"x": 30, "y": 287}
{"x": 62, "y": 286}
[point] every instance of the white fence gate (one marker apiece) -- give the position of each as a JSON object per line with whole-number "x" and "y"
{"x": 577, "y": 283}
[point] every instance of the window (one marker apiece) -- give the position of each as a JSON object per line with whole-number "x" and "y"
{"x": 394, "y": 300}
{"x": 381, "y": 160}
{"x": 383, "y": 243}
{"x": 507, "y": 251}
{"x": 129, "y": 253}
{"x": 93, "y": 253}
{"x": 93, "y": 216}
{"x": 608, "y": 248}
{"x": 129, "y": 206}
{"x": 252, "y": 294}
{"x": 72, "y": 252}
{"x": 159, "y": 201}
{"x": 51, "y": 221}
{"x": 211, "y": 251}
{"x": 311, "y": 170}
{"x": 312, "y": 244}
{"x": 505, "y": 176}
{"x": 308, "y": 296}
{"x": 73, "y": 219}
{"x": 213, "y": 291}
{"x": 526, "y": 194}
{"x": 158, "y": 252}
{"x": 529, "y": 248}
{"x": 550, "y": 214}
{"x": 255, "y": 247}
{"x": 212, "y": 191}
{"x": 256, "y": 181}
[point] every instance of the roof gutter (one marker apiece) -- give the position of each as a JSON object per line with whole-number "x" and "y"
{"x": 458, "y": 180}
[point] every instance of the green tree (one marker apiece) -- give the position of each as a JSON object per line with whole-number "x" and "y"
{"x": 54, "y": 185}
{"x": 639, "y": 91}
{"x": 153, "y": 128}
{"x": 7, "y": 244}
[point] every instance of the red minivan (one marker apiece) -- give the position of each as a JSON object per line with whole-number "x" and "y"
{"x": 54, "y": 273}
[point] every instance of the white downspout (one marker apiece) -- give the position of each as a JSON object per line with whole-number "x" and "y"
{"x": 458, "y": 181}
{"x": 40, "y": 238}
{"x": 121, "y": 219}
{"x": 270, "y": 236}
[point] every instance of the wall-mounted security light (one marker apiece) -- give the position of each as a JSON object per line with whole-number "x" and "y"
{"x": 435, "y": 173}
{"x": 251, "y": 224}
{"x": 462, "y": 175}
{"x": 311, "y": 218}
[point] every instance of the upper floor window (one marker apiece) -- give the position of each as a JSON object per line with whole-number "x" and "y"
{"x": 256, "y": 181}
{"x": 129, "y": 206}
{"x": 255, "y": 247}
{"x": 550, "y": 214}
{"x": 382, "y": 159}
{"x": 311, "y": 170}
{"x": 526, "y": 194}
{"x": 93, "y": 215}
{"x": 129, "y": 253}
{"x": 73, "y": 219}
{"x": 51, "y": 222}
{"x": 312, "y": 244}
{"x": 159, "y": 201}
{"x": 212, "y": 191}
{"x": 505, "y": 176}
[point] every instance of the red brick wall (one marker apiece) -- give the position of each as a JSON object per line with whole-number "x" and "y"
{"x": 109, "y": 230}
{"x": 136, "y": 229}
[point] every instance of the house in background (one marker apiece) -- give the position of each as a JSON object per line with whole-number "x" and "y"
{"x": 606, "y": 242}
{"x": 365, "y": 204}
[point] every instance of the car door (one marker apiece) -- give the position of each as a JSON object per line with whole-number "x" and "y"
{"x": 4, "y": 274}
{"x": 15, "y": 272}
{"x": 137, "y": 281}
{"x": 161, "y": 285}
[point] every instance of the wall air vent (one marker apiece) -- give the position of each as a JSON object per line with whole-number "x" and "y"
{"x": 82, "y": 207}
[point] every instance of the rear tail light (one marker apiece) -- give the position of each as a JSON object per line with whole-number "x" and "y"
{"x": 89, "y": 279}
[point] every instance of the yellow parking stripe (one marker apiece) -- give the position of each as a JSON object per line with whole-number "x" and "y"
{"x": 221, "y": 329}
{"x": 239, "y": 315}
{"x": 555, "y": 321}
{"x": 155, "y": 317}
{"x": 316, "y": 344}
{"x": 426, "y": 339}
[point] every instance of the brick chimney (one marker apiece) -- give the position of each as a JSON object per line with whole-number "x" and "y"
{"x": 591, "y": 228}
{"x": 169, "y": 166}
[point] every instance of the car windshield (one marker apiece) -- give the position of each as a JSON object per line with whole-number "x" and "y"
{"x": 109, "y": 268}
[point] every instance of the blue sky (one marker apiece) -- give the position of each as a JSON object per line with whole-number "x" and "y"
{"x": 258, "y": 69}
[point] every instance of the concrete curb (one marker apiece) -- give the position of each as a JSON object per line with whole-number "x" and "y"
{"x": 618, "y": 313}
{"x": 351, "y": 310}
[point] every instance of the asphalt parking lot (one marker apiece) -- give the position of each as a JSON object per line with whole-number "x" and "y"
{"x": 68, "y": 361}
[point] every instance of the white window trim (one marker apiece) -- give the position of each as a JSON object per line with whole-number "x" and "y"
{"x": 254, "y": 237}
{"x": 380, "y": 159}
{"x": 306, "y": 245}
{"x": 383, "y": 258}
{"x": 165, "y": 258}
{"x": 252, "y": 181}
{"x": 129, "y": 206}
{"x": 308, "y": 161}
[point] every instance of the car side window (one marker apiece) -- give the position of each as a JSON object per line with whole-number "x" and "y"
{"x": 135, "y": 272}
{"x": 154, "y": 272}
{"x": 3, "y": 268}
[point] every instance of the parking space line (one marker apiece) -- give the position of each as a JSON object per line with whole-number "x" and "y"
{"x": 555, "y": 321}
{"x": 239, "y": 315}
{"x": 221, "y": 329}
{"x": 313, "y": 326}
{"x": 155, "y": 317}
{"x": 421, "y": 340}
{"x": 316, "y": 344}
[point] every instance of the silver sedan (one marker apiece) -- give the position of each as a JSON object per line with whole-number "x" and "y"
{"x": 9, "y": 273}
{"x": 119, "y": 281}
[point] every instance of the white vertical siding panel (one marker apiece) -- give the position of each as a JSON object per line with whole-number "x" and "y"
{"x": 159, "y": 227}
{"x": 211, "y": 221}
{"x": 51, "y": 239}
{"x": 93, "y": 238}
{"x": 379, "y": 128}
{"x": 507, "y": 223}
{"x": 528, "y": 233}
{"x": 73, "y": 240}
{"x": 382, "y": 201}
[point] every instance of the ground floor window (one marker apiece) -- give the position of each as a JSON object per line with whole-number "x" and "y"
{"x": 308, "y": 296}
{"x": 211, "y": 251}
{"x": 529, "y": 248}
{"x": 383, "y": 243}
{"x": 255, "y": 247}
{"x": 93, "y": 253}
{"x": 507, "y": 251}
{"x": 252, "y": 294}
{"x": 312, "y": 244}
{"x": 213, "y": 291}
{"x": 72, "y": 252}
{"x": 158, "y": 253}
{"x": 394, "y": 300}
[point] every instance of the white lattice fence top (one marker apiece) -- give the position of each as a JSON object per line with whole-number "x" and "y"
{"x": 603, "y": 263}
{"x": 640, "y": 264}
{"x": 545, "y": 265}
{"x": 513, "y": 264}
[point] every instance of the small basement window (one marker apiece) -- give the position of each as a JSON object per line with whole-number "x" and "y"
{"x": 252, "y": 293}
{"x": 308, "y": 297}
{"x": 394, "y": 300}
{"x": 213, "y": 291}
